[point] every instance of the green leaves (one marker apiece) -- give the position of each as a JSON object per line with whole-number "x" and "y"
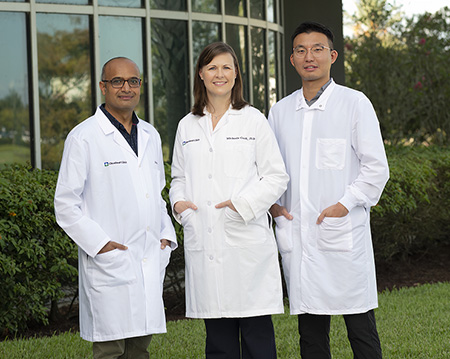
{"x": 37, "y": 259}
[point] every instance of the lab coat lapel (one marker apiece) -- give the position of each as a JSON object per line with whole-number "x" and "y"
{"x": 143, "y": 141}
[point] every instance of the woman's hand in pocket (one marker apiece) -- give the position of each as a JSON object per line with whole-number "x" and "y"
{"x": 181, "y": 206}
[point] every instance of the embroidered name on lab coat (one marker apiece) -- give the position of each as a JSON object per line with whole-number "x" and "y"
{"x": 241, "y": 138}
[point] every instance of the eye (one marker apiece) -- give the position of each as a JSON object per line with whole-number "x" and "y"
{"x": 134, "y": 81}
{"x": 317, "y": 49}
{"x": 300, "y": 51}
{"x": 117, "y": 81}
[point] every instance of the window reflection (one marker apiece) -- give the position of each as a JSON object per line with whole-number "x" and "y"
{"x": 235, "y": 7}
{"x": 121, "y": 3}
{"x": 170, "y": 81}
{"x": 14, "y": 109}
{"x": 208, "y": 6}
{"x": 271, "y": 53}
{"x": 203, "y": 33}
{"x": 257, "y": 9}
{"x": 237, "y": 39}
{"x": 74, "y": 2}
{"x": 176, "y": 5}
{"x": 258, "y": 68}
{"x": 122, "y": 36}
{"x": 271, "y": 10}
{"x": 64, "y": 80}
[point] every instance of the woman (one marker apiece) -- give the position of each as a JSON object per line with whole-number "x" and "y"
{"x": 226, "y": 173}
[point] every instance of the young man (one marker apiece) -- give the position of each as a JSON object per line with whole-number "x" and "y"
{"x": 331, "y": 143}
{"x": 108, "y": 200}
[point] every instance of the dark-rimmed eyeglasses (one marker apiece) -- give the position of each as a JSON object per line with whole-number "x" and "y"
{"x": 118, "y": 82}
{"x": 316, "y": 50}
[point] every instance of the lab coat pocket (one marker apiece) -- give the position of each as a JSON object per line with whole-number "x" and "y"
{"x": 330, "y": 153}
{"x": 283, "y": 231}
{"x": 335, "y": 234}
{"x": 191, "y": 240}
{"x": 237, "y": 160}
{"x": 113, "y": 268}
{"x": 239, "y": 234}
{"x": 164, "y": 258}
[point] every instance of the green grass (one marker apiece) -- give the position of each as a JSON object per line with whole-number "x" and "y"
{"x": 14, "y": 153}
{"x": 412, "y": 323}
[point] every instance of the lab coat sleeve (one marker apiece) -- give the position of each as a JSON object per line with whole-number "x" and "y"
{"x": 177, "y": 186}
{"x": 73, "y": 173}
{"x": 255, "y": 200}
{"x": 368, "y": 145}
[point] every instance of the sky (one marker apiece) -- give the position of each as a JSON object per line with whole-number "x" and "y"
{"x": 409, "y": 7}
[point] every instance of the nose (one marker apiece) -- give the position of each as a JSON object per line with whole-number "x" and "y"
{"x": 219, "y": 72}
{"x": 126, "y": 86}
{"x": 309, "y": 55}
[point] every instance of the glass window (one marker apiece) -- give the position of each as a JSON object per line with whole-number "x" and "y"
{"x": 271, "y": 10}
{"x": 272, "y": 54}
{"x": 122, "y": 36}
{"x": 72, "y": 2}
{"x": 14, "y": 103}
{"x": 203, "y": 33}
{"x": 209, "y": 6}
{"x": 257, "y": 9}
{"x": 258, "y": 68}
{"x": 237, "y": 39}
{"x": 235, "y": 7}
{"x": 175, "y": 5}
{"x": 64, "y": 80}
{"x": 121, "y": 3}
{"x": 170, "y": 79}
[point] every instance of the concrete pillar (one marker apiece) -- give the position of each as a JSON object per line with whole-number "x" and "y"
{"x": 327, "y": 12}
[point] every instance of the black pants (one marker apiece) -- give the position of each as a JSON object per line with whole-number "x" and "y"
{"x": 361, "y": 331}
{"x": 227, "y": 338}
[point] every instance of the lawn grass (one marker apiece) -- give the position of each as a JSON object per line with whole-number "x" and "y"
{"x": 412, "y": 323}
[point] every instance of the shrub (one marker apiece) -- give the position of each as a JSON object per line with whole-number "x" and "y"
{"x": 36, "y": 258}
{"x": 413, "y": 212}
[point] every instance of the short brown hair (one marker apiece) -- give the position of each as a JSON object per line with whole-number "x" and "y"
{"x": 200, "y": 96}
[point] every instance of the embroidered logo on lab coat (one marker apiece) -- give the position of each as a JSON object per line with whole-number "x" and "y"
{"x": 107, "y": 164}
{"x": 189, "y": 141}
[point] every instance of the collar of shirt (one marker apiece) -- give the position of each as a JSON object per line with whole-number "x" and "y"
{"x": 131, "y": 138}
{"x": 320, "y": 92}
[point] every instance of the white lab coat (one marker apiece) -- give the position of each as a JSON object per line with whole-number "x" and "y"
{"x": 333, "y": 152}
{"x": 232, "y": 267}
{"x": 107, "y": 193}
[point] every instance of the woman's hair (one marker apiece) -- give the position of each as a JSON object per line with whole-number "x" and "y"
{"x": 200, "y": 96}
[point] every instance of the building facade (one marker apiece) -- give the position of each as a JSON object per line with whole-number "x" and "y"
{"x": 52, "y": 52}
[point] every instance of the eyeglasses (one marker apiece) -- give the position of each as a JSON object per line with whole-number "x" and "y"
{"x": 316, "y": 50}
{"x": 118, "y": 82}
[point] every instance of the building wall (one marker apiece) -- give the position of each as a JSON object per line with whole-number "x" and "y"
{"x": 53, "y": 50}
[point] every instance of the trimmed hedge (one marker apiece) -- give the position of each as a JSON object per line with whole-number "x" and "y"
{"x": 38, "y": 262}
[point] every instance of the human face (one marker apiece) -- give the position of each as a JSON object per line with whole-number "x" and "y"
{"x": 309, "y": 67}
{"x": 120, "y": 101}
{"x": 219, "y": 76}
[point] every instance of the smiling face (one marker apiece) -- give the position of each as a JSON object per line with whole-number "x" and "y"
{"x": 120, "y": 101}
{"x": 309, "y": 67}
{"x": 219, "y": 76}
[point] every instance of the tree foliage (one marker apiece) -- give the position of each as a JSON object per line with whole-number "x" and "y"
{"x": 401, "y": 65}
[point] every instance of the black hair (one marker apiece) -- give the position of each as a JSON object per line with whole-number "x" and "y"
{"x": 311, "y": 26}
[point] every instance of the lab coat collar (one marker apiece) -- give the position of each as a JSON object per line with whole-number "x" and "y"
{"x": 320, "y": 104}
{"x": 108, "y": 128}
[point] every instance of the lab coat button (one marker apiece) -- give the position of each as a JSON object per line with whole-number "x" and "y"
{"x": 209, "y": 230}
{"x": 148, "y": 228}
{"x": 209, "y": 203}
{"x": 210, "y": 149}
{"x": 211, "y": 258}
{"x": 147, "y": 195}
{"x": 144, "y": 260}
{"x": 210, "y": 176}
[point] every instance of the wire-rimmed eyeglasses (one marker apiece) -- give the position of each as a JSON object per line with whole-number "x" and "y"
{"x": 118, "y": 82}
{"x": 316, "y": 50}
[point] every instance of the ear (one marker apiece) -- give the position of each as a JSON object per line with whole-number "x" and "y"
{"x": 102, "y": 86}
{"x": 200, "y": 74}
{"x": 292, "y": 59}
{"x": 334, "y": 56}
